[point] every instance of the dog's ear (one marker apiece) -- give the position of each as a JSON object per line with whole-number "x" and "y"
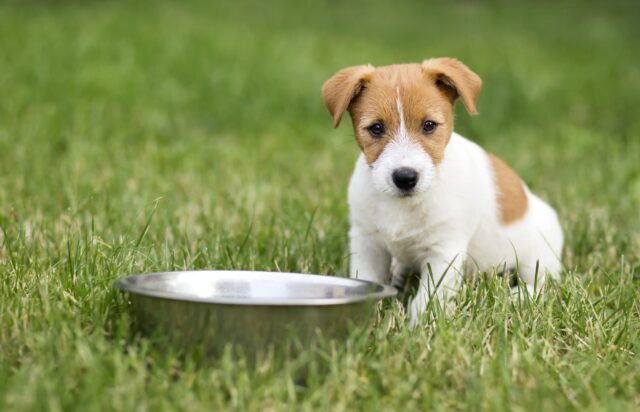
{"x": 343, "y": 87}
{"x": 455, "y": 79}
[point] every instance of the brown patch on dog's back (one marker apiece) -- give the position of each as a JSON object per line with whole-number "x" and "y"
{"x": 511, "y": 197}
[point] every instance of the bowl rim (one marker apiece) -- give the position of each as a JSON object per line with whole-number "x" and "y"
{"x": 127, "y": 284}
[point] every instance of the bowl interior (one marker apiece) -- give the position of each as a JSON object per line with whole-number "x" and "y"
{"x": 243, "y": 287}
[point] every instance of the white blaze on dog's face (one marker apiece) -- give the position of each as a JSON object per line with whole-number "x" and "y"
{"x": 402, "y": 117}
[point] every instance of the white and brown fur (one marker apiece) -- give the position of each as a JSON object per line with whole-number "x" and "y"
{"x": 469, "y": 211}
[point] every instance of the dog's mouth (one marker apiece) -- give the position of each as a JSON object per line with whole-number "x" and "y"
{"x": 406, "y": 193}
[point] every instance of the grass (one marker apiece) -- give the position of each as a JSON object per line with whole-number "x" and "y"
{"x": 141, "y": 136}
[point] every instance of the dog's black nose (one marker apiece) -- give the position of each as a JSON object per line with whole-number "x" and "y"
{"x": 405, "y": 178}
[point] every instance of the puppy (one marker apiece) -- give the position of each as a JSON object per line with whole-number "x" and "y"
{"x": 425, "y": 198}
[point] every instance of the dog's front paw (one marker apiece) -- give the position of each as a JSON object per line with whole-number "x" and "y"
{"x": 526, "y": 293}
{"x": 416, "y": 308}
{"x": 444, "y": 304}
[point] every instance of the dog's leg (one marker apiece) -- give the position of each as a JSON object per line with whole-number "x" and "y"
{"x": 369, "y": 259}
{"x": 535, "y": 275}
{"x": 398, "y": 273}
{"x": 440, "y": 278}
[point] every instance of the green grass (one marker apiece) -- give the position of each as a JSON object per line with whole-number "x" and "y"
{"x": 206, "y": 122}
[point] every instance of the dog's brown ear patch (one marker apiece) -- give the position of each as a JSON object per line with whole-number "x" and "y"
{"x": 456, "y": 79}
{"x": 343, "y": 87}
{"x": 510, "y": 196}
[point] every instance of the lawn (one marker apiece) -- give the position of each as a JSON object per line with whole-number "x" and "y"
{"x": 149, "y": 136}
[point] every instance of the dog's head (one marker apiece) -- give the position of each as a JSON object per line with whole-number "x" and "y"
{"x": 402, "y": 116}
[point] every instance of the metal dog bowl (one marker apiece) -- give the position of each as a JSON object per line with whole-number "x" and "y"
{"x": 254, "y": 311}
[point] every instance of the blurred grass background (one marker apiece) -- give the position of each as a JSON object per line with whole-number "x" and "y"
{"x": 139, "y": 136}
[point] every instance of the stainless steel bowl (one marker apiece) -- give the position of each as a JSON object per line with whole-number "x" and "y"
{"x": 252, "y": 311}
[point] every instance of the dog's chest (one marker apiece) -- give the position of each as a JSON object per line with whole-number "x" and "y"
{"x": 407, "y": 227}
{"x": 403, "y": 228}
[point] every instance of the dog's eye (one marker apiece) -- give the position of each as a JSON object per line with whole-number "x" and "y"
{"x": 376, "y": 129}
{"x": 429, "y": 126}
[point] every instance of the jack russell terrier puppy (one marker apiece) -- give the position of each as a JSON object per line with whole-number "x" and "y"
{"x": 425, "y": 198}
